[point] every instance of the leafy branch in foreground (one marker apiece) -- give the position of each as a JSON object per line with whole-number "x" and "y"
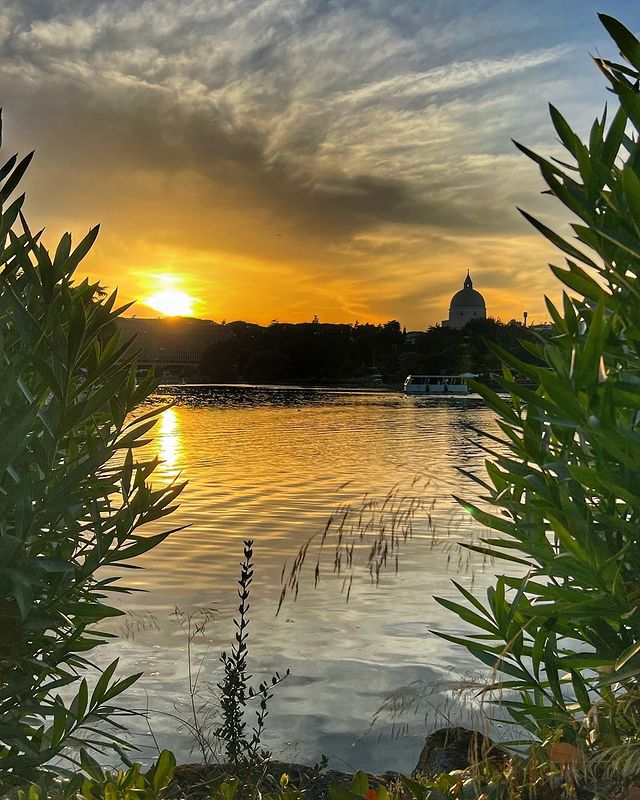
{"x": 235, "y": 691}
{"x": 72, "y": 495}
{"x": 564, "y": 499}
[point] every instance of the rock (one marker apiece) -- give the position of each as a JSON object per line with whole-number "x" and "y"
{"x": 449, "y": 749}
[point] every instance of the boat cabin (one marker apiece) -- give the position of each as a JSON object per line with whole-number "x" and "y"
{"x": 436, "y": 384}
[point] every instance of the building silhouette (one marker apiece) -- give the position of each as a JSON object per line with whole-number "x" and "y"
{"x": 170, "y": 341}
{"x": 467, "y": 304}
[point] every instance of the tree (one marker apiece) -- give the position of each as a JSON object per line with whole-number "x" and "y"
{"x": 72, "y": 494}
{"x": 563, "y": 499}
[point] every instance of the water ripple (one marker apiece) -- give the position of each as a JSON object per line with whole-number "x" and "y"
{"x": 273, "y": 464}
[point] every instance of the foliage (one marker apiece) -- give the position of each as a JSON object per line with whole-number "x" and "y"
{"x": 233, "y": 789}
{"x": 332, "y": 353}
{"x": 564, "y": 640}
{"x": 126, "y": 784}
{"x": 129, "y": 784}
{"x": 97, "y": 783}
{"x": 359, "y": 788}
{"x": 217, "y": 711}
{"x": 273, "y": 781}
{"x": 72, "y": 496}
{"x": 520, "y": 779}
{"x": 242, "y": 751}
{"x": 304, "y": 352}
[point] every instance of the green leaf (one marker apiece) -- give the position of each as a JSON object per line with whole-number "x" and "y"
{"x": 627, "y": 655}
{"x": 91, "y": 611}
{"x": 467, "y": 615}
{"x": 342, "y": 793}
{"x": 100, "y": 689}
{"x": 142, "y": 545}
{"x": 111, "y": 792}
{"x": 578, "y": 280}
{"x": 582, "y": 695}
{"x": 614, "y": 138}
{"x": 490, "y": 520}
{"x": 163, "y": 771}
{"x": 627, "y": 43}
{"x": 589, "y": 356}
{"x": 14, "y": 178}
{"x": 82, "y": 249}
{"x": 91, "y": 766}
{"x": 416, "y": 789}
{"x": 360, "y": 783}
{"x": 559, "y": 242}
{"x": 495, "y": 401}
{"x": 567, "y": 136}
{"x": 118, "y": 687}
{"x": 229, "y": 788}
{"x": 8, "y": 166}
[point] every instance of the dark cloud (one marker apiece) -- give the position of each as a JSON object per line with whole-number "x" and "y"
{"x": 123, "y": 128}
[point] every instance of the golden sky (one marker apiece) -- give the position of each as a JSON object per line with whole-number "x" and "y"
{"x": 277, "y": 159}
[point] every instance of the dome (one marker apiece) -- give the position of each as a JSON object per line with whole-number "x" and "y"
{"x": 468, "y": 297}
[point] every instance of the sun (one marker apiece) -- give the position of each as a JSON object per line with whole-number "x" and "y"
{"x": 172, "y": 302}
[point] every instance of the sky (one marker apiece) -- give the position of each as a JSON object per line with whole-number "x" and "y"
{"x": 280, "y": 159}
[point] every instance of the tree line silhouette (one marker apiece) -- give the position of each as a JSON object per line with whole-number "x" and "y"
{"x": 358, "y": 353}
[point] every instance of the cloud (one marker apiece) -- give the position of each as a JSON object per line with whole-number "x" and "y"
{"x": 59, "y": 36}
{"x": 337, "y": 142}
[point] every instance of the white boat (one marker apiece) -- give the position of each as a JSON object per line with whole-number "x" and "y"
{"x": 437, "y": 384}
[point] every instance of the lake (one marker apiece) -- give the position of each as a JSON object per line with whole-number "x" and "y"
{"x": 368, "y": 677}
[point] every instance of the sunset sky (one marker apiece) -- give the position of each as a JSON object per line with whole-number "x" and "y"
{"x": 276, "y": 159}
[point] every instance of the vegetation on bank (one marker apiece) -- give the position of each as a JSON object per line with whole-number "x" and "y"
{"x": 72, "y": 497}
{"x": 561, "y": 498}
{"x": 327, "y": 353}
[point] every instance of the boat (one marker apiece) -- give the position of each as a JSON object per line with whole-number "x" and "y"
{"x": 437, "y": 384}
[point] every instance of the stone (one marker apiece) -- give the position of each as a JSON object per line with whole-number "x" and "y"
{"x": 449, "y": 749}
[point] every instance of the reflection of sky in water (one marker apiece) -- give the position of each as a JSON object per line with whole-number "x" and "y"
{"x": 273, "y": 465}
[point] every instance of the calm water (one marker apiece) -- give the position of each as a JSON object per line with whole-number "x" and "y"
{"x": 274, "y": 465}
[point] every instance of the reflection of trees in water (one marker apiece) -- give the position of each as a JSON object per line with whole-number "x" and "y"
{"x": 238, "y": 396}
{"x": 256, "y": 396}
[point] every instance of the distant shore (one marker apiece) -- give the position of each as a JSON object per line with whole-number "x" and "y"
{"x": 365, "y": 386}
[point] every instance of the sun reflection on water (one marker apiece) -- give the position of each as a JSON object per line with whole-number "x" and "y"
{"x": 169, "y": 441}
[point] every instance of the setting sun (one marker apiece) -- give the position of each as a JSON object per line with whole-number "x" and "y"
{"x": 172, "y": 302}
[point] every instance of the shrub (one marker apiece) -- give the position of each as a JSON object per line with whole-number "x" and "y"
{"x": 563, "y": 481}
{"x": 218, "y": 712}
{"x": 72, "y": 494}
{"x": 243, "y": 752}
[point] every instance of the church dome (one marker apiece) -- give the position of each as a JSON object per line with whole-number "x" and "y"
{"x": 467, "y": 297}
